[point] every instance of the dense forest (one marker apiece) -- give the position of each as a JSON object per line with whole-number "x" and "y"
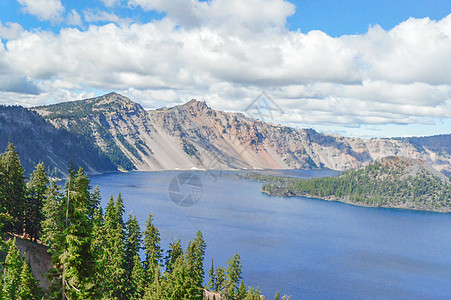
{"x": 98, "y": 254}
{"x": 390, "y": 182}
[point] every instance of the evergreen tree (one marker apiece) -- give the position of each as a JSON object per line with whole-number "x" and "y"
{"x": 133, "y": 240}
{"x": 174, "y": 252}
{"x": 28, "y": 288}
{"x": 11, "y": 273}
{"x": 98, "y": 250}
{"x": 53, "y": 234}
{"x": 12, "y": 189}
{"x": 114, "y": 252}
{"x": 233, "y": 276}
{"x": 77, "y": 259}
{"x": 211, "y": 274}
{"x": 220, "y": 279}
{"x": 195, "y": 259}
{"x": 277, "y": 296}
{"x": 36, "y": 193}
{"x": 137, "y": 279}
{"x": 152, "y": 248}
{"x": 180, "y": 283}
{"x": 242, "y": 291}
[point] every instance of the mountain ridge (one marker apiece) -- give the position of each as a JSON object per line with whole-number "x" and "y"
{"x": 194, "y": 136}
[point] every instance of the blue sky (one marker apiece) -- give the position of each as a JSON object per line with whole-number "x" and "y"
{"x": 360, "y": 68}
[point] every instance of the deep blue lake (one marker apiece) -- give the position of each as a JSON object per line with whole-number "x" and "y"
{"x": 306, "y": 248}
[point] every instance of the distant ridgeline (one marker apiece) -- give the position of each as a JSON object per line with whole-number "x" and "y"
{"x": 111, "y": 132}
{"x": 390, "y": 182}
{"x": 39, "y": 141}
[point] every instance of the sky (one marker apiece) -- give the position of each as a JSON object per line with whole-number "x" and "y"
{"x": 355, "y": 68}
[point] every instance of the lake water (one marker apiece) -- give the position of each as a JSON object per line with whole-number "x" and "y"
{"x": 306, "y": 248}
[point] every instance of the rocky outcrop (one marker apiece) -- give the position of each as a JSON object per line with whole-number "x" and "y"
{"x": 194, "y": 136}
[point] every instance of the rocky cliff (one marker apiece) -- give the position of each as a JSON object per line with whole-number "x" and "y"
{"x": 194, "y": 136}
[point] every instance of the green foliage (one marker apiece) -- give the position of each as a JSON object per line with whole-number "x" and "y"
{"x": 152, "y": 246}
{"x": 194, "y": 256}
{"x": 36, "y": 194}
{"x": 382, "y": 183}
{"x": 137, "y": 279}
{"x": 211, "y": 275}
{"x": 175, "y": 251}
{"x": 233, "y": 276}
{"x": 12, "y": 271}
{"x": 220, "y": 279}
{"x": 28, "y": 287}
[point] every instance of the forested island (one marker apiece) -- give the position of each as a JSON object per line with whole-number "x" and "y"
{"x": 394, "y": 182}
{"x": 95, "y": 254}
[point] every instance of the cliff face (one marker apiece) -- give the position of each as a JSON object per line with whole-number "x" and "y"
{"x": 38, "y": 141}
{"x": 192, "y": 135}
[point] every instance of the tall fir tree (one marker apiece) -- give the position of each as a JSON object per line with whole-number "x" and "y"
{"x": 180, "y": 283}
{"x": 152, "y": 248}
{"x": 175, "y": 251}
{"x": 211, "y": 274}
{"x": 12, "y": 189}
{"x": 233, "y": 276}
{"x": 114, "y": 252}
{"x": 133, "y": 240}
{"x": 11, "y": 272}
{"x": 36, "y": 194}
{"x": 28, "y": 287}
{"x": 137, "y": 279}
{"x": 220, "y": 279}
{"x": 195, "y": 259}
{"x": 77, "y": 259}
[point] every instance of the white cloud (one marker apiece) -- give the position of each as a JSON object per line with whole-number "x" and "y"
{"x": 50, "y": 10}
{"x": 212, "y": 51}
{"x": 74, "y": 18}
{"x": 10, "y": 31}
{"x": 111, "y": 3}
{"x": 94, "y": 16}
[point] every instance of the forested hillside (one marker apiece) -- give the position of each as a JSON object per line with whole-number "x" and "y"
{"x": 96, "y": 252}
{"x": 38, "y": 141}
{"x": 390, "y": 182}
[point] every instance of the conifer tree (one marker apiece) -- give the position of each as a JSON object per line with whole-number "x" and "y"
{"x": 211, "y": 274}
{"x": 241, "y": 291}
{"x": 36, "y": 193}
{"x": 114, "y": 252}
{"x": 220, "y": 279}
{"x": 28, "y": 288}
{"x": 137, "y": 279}
{"x": 133, "y": 240}
{"x": 233, "y": 276}
{"x": 152, "y": 248}
{"x": 11, "y": 273}
{"x": 277, "y": 296}
{"x": 77, "y": 259}
{"x": 175, "y": 251}
{"x": 180, "y": 283}
{"x": 195, "y": 259}
{"x": 12, "y": 189}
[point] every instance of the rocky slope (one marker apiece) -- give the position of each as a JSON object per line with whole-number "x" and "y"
{"x": 193, "y": 135}
{"x": 38, "y": 141}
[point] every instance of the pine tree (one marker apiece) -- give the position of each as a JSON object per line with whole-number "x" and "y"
{"x": 152, "y": 248}
{"x": 98, "y": 250}
{"x": 277, "y": 296}
{"x": 211, "y": 274}
{"x": 180, "y": 283}
{"x": 77, "y": 259}
{"x": 12, "y": 189}
{"x": 174, "y": 252}
{"x": 53, "y": 234}
{"x": 133, "y": 240}
{"x": 36, "y": 192}
{"x": 233, "y": 276}
{"x": 11, "y": 273}
{"x": 220, "y": 279}
{"x": 242, "y": 291}
{"x": 195, "y": 259}
{"x": 114, "y": 252}
{"x": 137, "y": 279}
{"x": 28, "y": 288}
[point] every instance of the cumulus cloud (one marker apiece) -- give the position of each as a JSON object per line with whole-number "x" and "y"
{"x": 49, "y": 10}
{"x": 94, "y": 16}
{"x": 10, "y": 31}
{"x": 74, "y": 18}
{"x": 227, "y": 52}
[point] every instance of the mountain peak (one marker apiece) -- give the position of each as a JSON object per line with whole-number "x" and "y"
{"x": 196, "y": 103}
